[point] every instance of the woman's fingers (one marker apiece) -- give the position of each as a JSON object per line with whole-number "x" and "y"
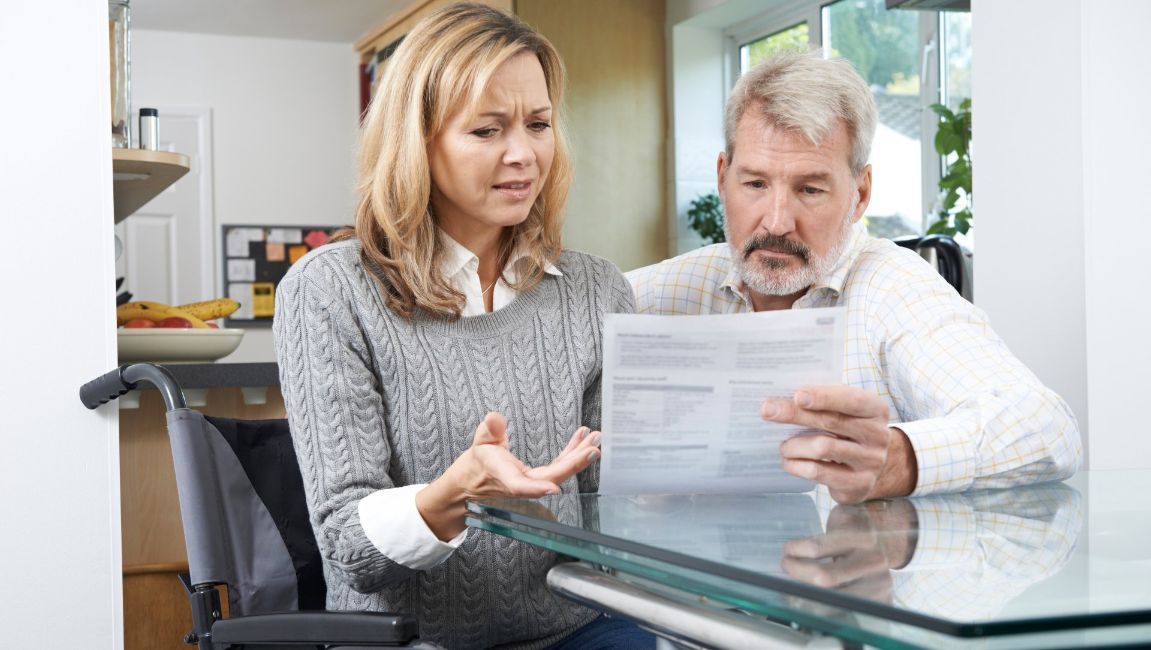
{"x": 574, "y": 441}
{"x": 570, "y": 463}
{"x": 492, "y": 431}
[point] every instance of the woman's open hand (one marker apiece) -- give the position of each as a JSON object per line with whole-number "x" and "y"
{"x": 489, "y": 469}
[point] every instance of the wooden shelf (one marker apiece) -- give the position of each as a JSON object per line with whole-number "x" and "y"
{"x": 138, "y": 175}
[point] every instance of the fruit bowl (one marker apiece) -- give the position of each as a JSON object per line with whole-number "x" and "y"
{"x": 175, "y": 345}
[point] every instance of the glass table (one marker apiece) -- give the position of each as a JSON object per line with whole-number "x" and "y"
{"x": 1053, "y": 565}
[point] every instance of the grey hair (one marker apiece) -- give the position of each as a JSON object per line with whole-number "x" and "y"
{"x": 802, "y": 91}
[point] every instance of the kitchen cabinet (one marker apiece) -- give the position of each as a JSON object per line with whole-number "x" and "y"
{"x": 138, "y": 175}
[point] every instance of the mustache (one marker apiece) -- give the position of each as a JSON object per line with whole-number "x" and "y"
{"x": 776, "y": 244}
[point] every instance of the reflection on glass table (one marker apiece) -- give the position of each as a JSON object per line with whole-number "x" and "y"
{"x": 1009, "y": 568}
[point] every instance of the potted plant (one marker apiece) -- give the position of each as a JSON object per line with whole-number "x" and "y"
{"x": 705, "y": 216}
{"x": 953, "y": 142}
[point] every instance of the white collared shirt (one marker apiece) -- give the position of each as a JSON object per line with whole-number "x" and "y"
{"x": 389, "y": 517}
{"x": 975, "y": 415}
{"x": 461, "y": 267}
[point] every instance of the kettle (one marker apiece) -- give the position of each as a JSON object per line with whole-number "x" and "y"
{"x": 948, "y": 258}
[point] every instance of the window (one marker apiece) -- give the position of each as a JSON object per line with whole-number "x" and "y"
{"x": 956, "y": 64}
{"x": 792, "y": 38}
{"x": 883, "y": 45}
{"x": 896, "y": 52}
{"x": 955, "y": 85}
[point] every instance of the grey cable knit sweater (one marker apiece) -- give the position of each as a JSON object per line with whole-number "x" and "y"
{"x": 375, "y": 401}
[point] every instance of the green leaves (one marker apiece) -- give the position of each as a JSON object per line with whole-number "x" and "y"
{"x": 954, "y": 129}
{"x": 943, "y": 112}
{"x": 705, "y": 216}
{"x": 960, "y": 222}
{"x": 953, "y": 142}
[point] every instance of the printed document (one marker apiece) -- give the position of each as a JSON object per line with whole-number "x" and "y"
{"x": 682, "y": 396}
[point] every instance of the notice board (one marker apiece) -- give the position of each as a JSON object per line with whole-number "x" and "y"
{"x": 256, "y": 258}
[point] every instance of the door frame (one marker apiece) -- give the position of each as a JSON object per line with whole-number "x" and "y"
{"x": 209, "y": 245}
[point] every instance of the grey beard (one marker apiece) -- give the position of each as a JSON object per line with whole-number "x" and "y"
{"x": 769, "y": 277}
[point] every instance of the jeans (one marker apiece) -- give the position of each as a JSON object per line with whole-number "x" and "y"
{"x": 607, "y": 633}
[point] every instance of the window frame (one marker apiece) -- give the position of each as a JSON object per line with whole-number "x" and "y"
{"x": 776, "y": 19}
{"x": 929, "y": 43}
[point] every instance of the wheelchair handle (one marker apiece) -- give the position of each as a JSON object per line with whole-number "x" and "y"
{"x": 115, "y": 383}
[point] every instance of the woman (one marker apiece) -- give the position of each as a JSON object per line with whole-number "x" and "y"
{"x": 450, "y": 349}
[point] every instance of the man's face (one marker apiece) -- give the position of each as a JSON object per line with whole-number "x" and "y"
{"x": 789, "y": 204}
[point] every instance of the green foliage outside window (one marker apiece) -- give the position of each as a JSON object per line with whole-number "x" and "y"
{"x": 880, "y": 43}
{"x": 705, "y": 216}
{"x": 953, "y": 142}
{"x": 792, "y": 38}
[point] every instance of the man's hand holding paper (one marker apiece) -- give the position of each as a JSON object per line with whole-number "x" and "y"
{"x": 852, "y": 451}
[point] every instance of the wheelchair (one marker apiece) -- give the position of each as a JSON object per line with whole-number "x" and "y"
{"x": 246, "y": 527}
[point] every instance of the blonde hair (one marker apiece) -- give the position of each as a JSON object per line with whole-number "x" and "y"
{"x": 442, "y": 67}
{"x": 802, "y": 91}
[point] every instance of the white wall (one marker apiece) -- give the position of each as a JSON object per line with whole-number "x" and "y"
{"x": 59, "y": 467}
{"x": 1029, "y": 271}
{"x": 1061, "y": 154}
{"x": 1117, "y": 228}
{"x": 284, "y": 116}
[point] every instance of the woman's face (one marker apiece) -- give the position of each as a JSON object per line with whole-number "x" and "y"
{"x": 488, "y": 170}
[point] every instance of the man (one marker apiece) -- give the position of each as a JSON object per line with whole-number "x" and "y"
{"x": 932, "y": 399}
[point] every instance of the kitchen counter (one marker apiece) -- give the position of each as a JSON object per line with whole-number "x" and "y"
{"x": 225, "y": 375}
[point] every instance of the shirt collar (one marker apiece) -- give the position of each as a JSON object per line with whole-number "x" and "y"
{"x": 837, "y": 277}
{"x": 733, "y": 282}
{"x": 458, "y": 258}
{"x": 833, "y": 281}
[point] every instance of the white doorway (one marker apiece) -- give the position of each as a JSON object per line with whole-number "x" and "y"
{"x": 169, "y": 246}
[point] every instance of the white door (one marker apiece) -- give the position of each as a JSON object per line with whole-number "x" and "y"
{"x": 169, "y": 255}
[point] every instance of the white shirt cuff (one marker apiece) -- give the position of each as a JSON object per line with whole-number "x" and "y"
{"x": 394, "y": 525}
{"x": 945, "y": 451}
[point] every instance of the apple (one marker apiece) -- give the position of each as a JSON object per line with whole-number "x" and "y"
{"x": 212, "y": 324}
{"x": 139, "y": 322}
{"x": 174, "y": 321}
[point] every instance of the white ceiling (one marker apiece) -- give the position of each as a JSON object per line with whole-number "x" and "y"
{"x": 313, "y": 20}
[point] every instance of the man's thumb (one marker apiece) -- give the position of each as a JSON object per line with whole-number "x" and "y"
{"x": 492, "y": 431}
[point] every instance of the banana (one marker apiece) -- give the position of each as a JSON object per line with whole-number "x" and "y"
{"x": 140, "y": 309}
{"x": 210, "y": 309}
{"x": 154, "y": 311}
{"x": 145, "y": 304}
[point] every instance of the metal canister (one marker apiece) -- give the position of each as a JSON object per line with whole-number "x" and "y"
{"x": 149, "y": 128}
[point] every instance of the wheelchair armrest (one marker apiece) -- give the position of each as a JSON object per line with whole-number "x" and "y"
{"x": 318, "y": 627}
